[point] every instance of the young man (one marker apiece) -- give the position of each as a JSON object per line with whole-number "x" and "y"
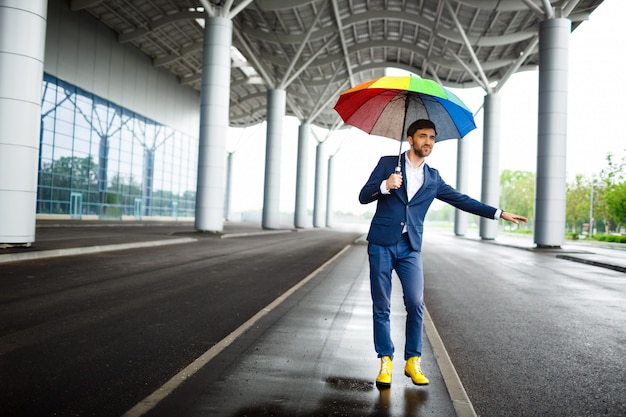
{"x": 395, "y": 241}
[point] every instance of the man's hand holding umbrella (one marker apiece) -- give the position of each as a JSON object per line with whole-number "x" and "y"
{"x": 394, "y": 181}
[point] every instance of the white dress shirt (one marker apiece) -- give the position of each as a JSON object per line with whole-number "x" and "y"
{"x": 413, "y": 181}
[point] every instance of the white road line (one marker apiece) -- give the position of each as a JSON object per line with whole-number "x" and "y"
{"x": 460, "y": 399}
{"x": 22, "y": 256}
{"x": 153, "y": 399}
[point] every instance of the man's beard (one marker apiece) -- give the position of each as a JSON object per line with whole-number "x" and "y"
{"x": 421, "y": 152}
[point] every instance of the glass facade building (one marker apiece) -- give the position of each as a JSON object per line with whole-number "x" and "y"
{"x": 99, "y": 159}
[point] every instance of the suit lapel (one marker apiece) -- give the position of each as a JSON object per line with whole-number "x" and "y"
{"x": 403, "y": 194}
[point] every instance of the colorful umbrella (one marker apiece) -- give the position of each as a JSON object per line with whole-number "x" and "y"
{"x": 386, "y": 107}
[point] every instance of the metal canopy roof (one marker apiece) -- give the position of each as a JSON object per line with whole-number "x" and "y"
{"x": 314, "y": 49}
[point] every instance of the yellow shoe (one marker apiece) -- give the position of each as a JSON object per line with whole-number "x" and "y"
{"x": 413, "y": 370}
{"x": 384, "y": 376}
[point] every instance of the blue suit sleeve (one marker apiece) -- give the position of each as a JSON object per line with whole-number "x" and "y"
{"x": 371, "y": 190}
{"x": 464, "y": 202}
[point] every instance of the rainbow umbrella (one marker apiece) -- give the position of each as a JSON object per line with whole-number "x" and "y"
{"x": 386, "y": 106}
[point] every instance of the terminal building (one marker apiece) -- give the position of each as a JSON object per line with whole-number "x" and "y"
{"x": 119, "y": 109}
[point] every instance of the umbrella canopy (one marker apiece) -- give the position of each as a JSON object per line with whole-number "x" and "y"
{"x": 386, "y": 106}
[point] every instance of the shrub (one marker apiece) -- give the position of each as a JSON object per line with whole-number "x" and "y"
{"x": 603, "y": 237}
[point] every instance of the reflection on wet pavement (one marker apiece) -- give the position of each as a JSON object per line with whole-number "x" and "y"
{"x": 355, "y": 398}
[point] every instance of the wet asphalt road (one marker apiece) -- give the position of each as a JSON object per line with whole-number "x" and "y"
{"x": 92, "y": 335}
{"x": 529, "y": 334}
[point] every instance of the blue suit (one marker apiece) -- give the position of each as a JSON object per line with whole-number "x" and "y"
{"x": 394, "y": 211}
{"x": 389, "y": 249}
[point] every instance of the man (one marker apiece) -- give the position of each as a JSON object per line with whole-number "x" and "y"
{"x": 395, "y": 241}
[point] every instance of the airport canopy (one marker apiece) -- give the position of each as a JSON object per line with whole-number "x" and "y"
{"x": 314, "y": 49}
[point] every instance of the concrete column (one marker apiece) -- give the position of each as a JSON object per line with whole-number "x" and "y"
{"x": 490, "y": 193}
{"x": 550, "y": 188}
{"x": 462, "y": 164}
{"x": 276, "y": 105}
{"x": 329, "y": 193}
{"x": 229, "y": 185}
{"x": 22, "y": 45}
{"x": 318, "y": 204}
{"x": 214, "y": 121}
{"x": 302, "y": 176}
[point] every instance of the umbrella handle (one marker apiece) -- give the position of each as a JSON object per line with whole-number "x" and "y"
{"x": 398, "y": 170}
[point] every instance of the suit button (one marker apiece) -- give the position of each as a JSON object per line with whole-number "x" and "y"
{"x": 401, "y": 223}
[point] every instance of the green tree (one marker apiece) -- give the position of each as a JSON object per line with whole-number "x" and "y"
{"x": 577, "y": 204}
{"x": 517, "y": 192}
{"x": 610, "y": 200}
{"x": 615, "y": 200}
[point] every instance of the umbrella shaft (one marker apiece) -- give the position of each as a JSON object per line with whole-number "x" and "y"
{"x": 399, "y": 167}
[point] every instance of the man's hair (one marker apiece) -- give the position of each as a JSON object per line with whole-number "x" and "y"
{"x": 420, "y": 124}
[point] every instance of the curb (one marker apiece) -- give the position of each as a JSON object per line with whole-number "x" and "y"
{"x": 55, "y": 253}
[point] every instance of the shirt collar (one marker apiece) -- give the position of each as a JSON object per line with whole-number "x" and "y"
{"x": 407, "y": 163}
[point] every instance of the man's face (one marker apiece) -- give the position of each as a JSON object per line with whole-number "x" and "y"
{"x": 422, "y": 142}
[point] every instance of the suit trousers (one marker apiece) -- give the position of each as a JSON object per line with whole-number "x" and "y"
{"x": 408, "y": 266}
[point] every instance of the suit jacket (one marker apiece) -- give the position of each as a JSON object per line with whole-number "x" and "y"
{"x": 394, "y": 211}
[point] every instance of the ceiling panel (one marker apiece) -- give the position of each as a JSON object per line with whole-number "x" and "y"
{"x": 336, "y": 43}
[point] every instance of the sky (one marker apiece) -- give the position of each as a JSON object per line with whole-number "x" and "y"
{"x": 595, "y": 115}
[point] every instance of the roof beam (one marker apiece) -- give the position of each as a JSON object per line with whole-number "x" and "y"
{"x": 303, "y": 44}
{"x": 548, "y": 10}
{"x": 191, "y": 79}
{"x": 155, "y": 24}
{"x": 209, "y": 8}
{"x": 535, "y": 9}
{"x": 469, "y": 71}
{"x": 518, "y": 63}
{"x": 294, "y": 107}
{"x": 168, "y": 59}
{"x": 309, "y": 61}
{"x": 344, "y": 47}
{"x": 569, "y": 7}
{"x": 77, "y": 5}
{"x": 449, "y": 34}
{"x": 253, "y": 57}
{"x": 475, "y": 59}
{"x": 234, "y": 12}
{"x": 321, "y": 105}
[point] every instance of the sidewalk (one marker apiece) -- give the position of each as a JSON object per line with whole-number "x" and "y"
{"x": 600, "y": 254}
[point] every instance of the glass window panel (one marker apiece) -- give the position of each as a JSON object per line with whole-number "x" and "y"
{"x": 48, "y": 124}
{"x": 83, "y": 126}
{"x": 46, "y": 153}
{"x": 63, "y": 127}
{"x": 82, "y": 131}
{"x": 62, "y": 141}
{"x": 65, "y": 112}
{"x": 71, "y": 159}
{"x": 61, "y": 153}
{"x": 47, "y": 136}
